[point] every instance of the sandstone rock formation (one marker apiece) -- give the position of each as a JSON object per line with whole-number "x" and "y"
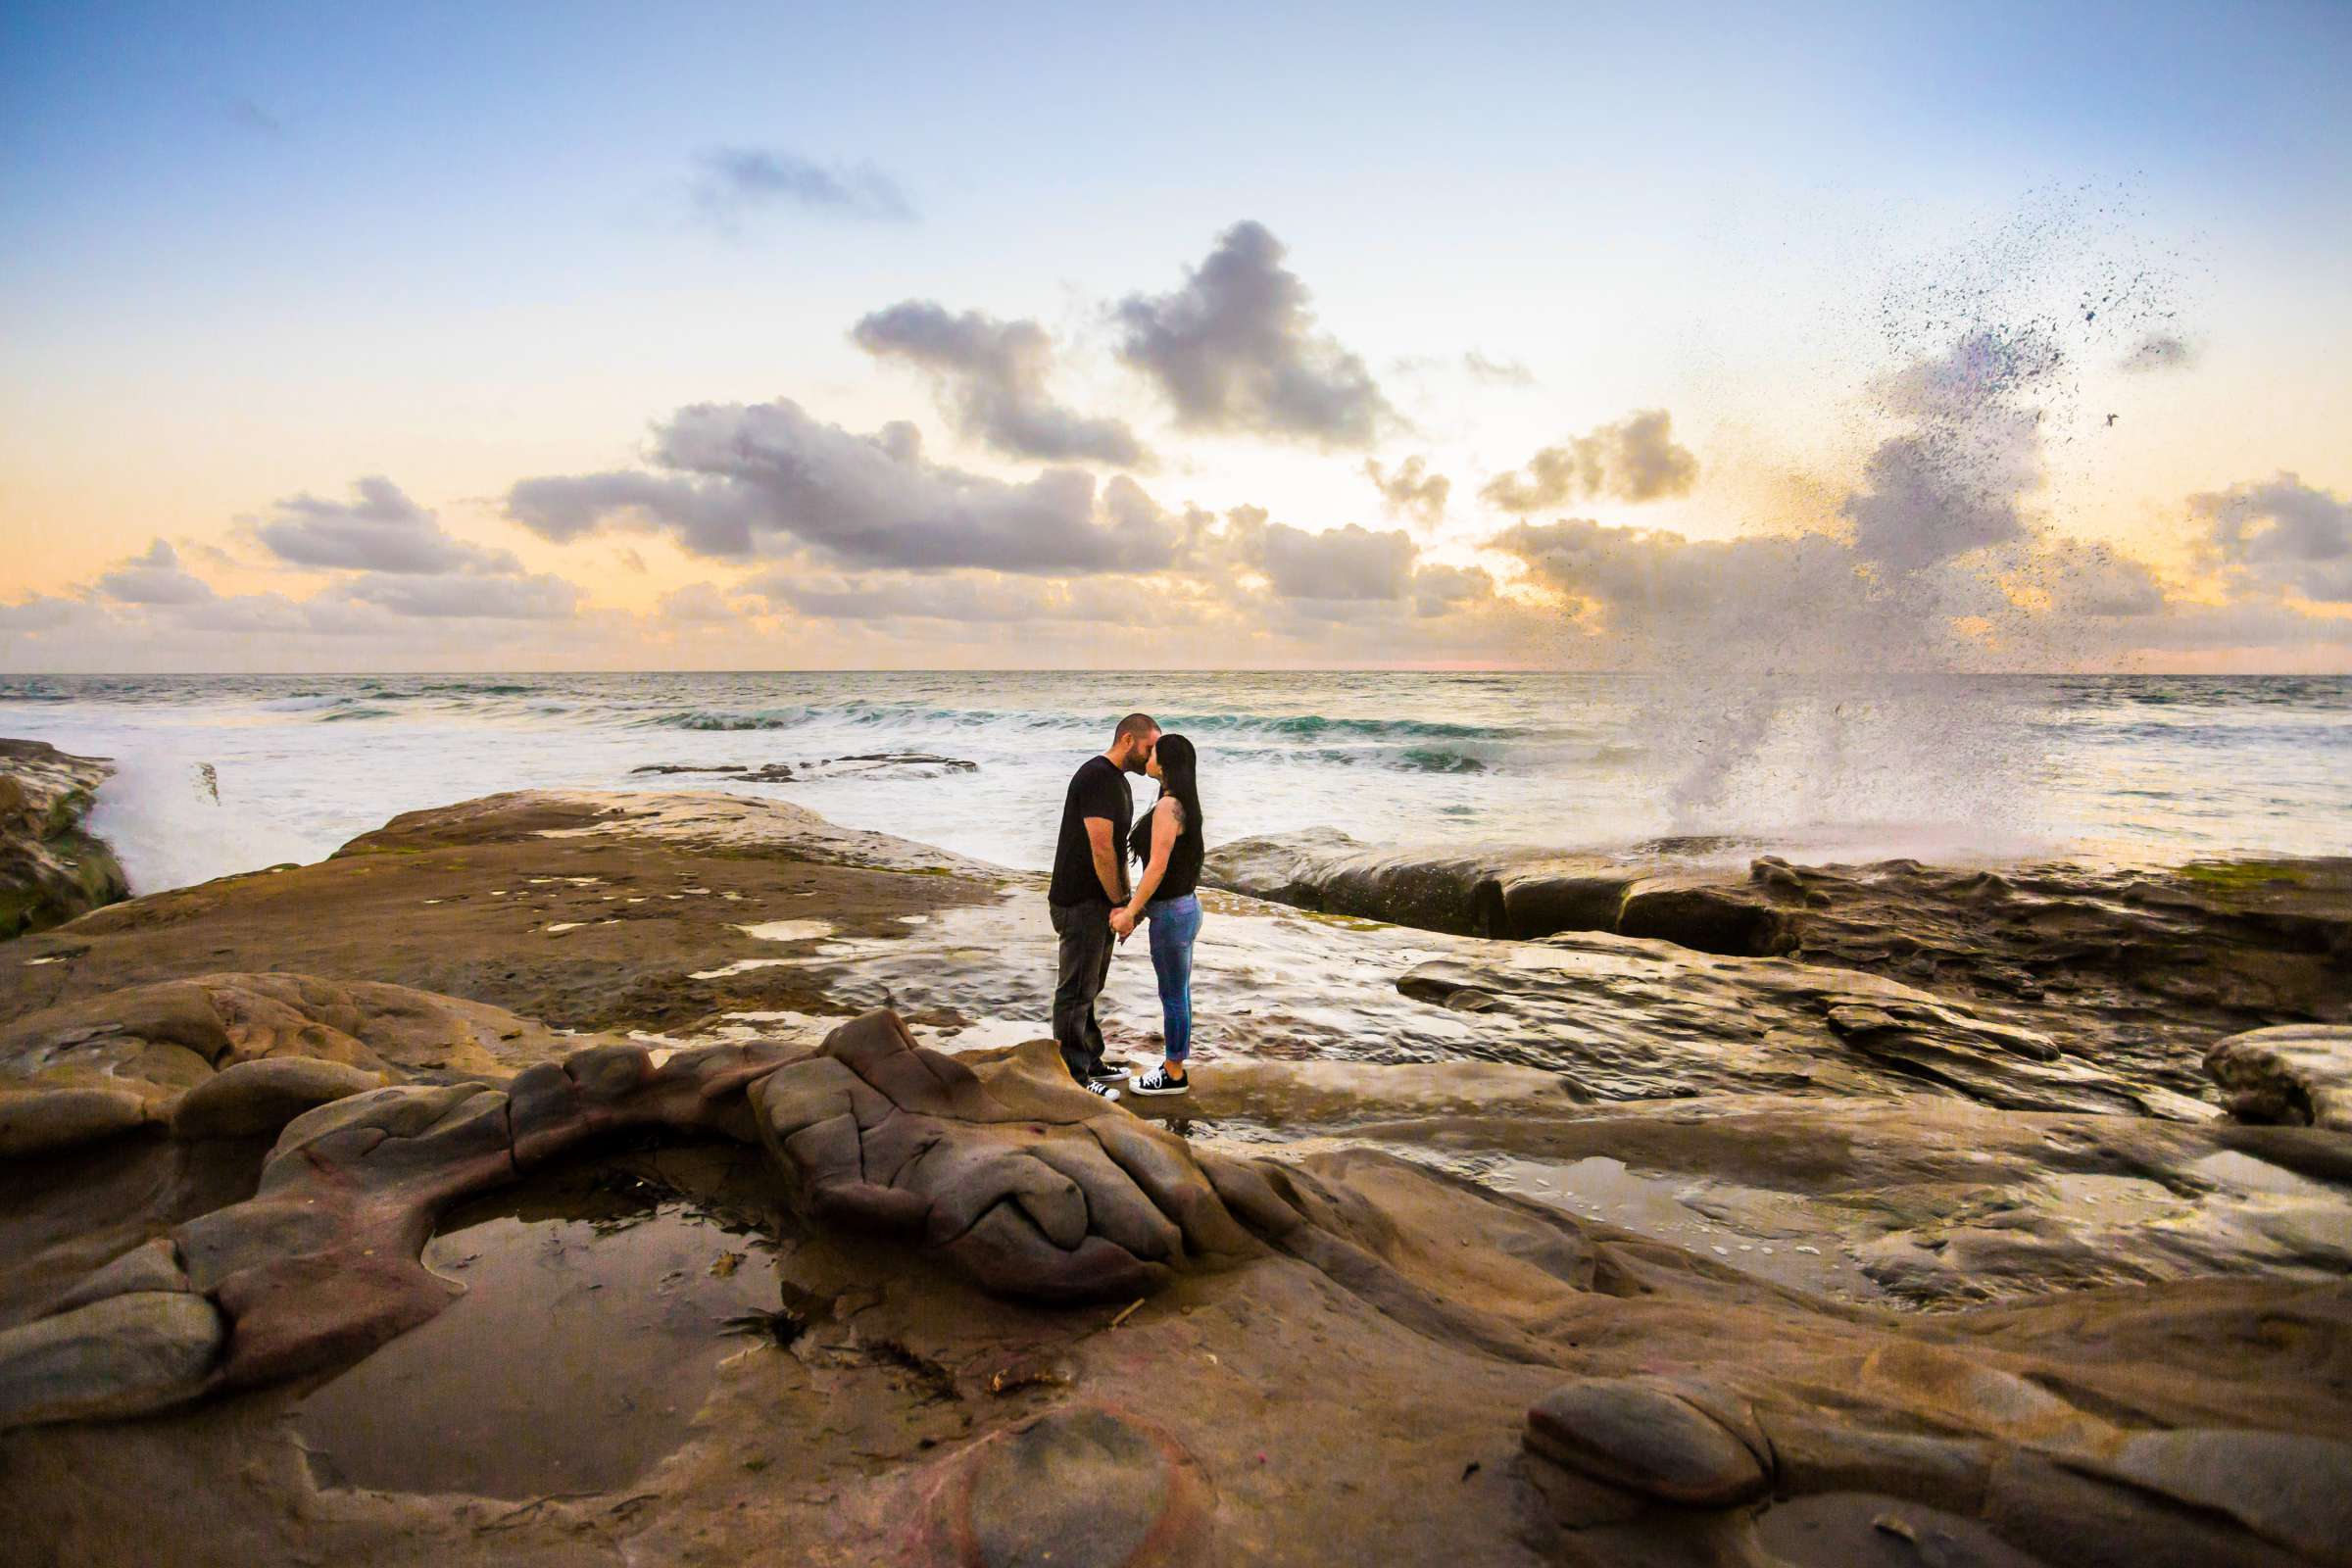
{"x": 2067, "y": 1422}
{"x": 157, "y": 1040}
{"x": 51, "y": 869}
{"x": 1033, "y": 1187}
{"x": 1598, "y": 1250}
{"x": 1621, "y": 1013}
{"x": 2138, "y": 968}
{"x": 2300, "y": 1074}
{"x": 1027, "y": 1183}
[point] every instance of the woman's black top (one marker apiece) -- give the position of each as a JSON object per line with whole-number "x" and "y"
{"x": 1184, "y": 858}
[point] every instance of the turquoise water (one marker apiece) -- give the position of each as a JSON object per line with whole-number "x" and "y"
{"x": 2123, "y": 767}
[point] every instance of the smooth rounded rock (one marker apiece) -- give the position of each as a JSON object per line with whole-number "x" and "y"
{"x": 252, "y": 1097}
{"x": 1012, "y": 1174}
{"x": 1643, "y": 1437}
{"x": 40, "y": 1121}
{"x": 152, "y": 1266}
{"x": 1079, "y": 1488}
{"x": 120, "y": 1356}
{"x": 2288, "y": 1488}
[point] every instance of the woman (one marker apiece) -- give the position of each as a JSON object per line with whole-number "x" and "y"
{"x": 1169, "y": 843}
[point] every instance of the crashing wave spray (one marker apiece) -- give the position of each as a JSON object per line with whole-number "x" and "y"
{"x": 1847, "y": 683}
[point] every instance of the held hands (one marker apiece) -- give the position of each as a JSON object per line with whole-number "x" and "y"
{"x": 1122, "y": 921}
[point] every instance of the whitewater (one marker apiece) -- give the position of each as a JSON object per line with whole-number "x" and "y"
{"x": 220, "y": 774}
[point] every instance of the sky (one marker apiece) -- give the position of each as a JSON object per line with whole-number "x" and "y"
{"x": 346, "y": 338}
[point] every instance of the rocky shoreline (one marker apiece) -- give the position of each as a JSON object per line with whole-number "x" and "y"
{"x": 1603, "y": 1247}
{"x": 51, "y": 868}
{"x": 2137, "y": 967}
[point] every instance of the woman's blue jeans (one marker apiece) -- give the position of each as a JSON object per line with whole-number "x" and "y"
{"x": 1175, "y": 923}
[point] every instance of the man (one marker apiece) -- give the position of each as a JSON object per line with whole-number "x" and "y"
{"x": 1090, "y": 880}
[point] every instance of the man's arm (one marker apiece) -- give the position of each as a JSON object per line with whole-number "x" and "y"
{"x": 1164, "y": 833}
{"x": 1107, "y": 858}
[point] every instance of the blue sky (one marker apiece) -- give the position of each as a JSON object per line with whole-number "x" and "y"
{"x": 254, "y": 252}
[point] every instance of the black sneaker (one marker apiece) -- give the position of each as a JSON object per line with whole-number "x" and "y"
{"x": 1108, "y": 1073}
{"x": 1157, "y": 1082}
{"x": 1104, "y": 1090}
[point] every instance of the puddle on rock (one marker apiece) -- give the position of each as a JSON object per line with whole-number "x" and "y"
{"x": 788, "y": 930}
{"x": 597, "y": 1310}
{"x": 1759, "y": 1232}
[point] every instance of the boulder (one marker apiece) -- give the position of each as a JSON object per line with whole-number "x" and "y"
{"x": 248, "y": 1098}
{"x": 1033, "y": 1187}
{"x": 1648, "y": 1437}
{"x": 2300, "y": 1074}
{"x": 116, "y": 1356}
{"x": 2288, "y": 1488}
{"x": 51, "y": 868}
{"x": 42, "y": 1121}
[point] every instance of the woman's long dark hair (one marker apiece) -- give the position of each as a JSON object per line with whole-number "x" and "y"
{"x": 1177, "y": 776}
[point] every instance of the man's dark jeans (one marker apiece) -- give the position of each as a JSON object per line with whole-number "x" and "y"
{"x": 1085, "y": 944}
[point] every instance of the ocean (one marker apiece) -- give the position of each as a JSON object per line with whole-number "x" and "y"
{"x": 224, "y": 773}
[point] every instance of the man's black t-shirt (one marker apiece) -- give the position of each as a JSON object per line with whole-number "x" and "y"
{"x": 1097, "y": 789}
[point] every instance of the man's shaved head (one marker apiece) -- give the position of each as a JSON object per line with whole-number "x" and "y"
{"x": 1134, "y": 727}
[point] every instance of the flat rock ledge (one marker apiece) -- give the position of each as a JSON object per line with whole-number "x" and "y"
{"x": 51, "y": 868}
{"x": 235, "y": 1056}
{"x": 2138, "y": 971}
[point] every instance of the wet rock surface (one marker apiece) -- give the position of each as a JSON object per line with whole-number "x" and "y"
{"x": 2299, "y": 1074}
{"x": 1024, "y": 1181}
{"x": 51, "y": 868}
{"x": 2136, "y": 969}
{"x": 156, "y": 1041}
{"x": 599, "y": 1298}
{"x": 1598, "y": 1249}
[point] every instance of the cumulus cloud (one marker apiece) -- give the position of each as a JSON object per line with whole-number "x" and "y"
{"x": 379, "y": 529}
{"x": 1238, "y": 349}
{"x": 1349, "y": 563}
{"x": 976, "y": 597}
{"x": 2282, "y": 533}
{"x": 39, "y": 614}
{"x": 697, "y": 604}
{"x": 1752, "y": 609}
{"x": 153, "y": 578}
{"x": 543, "y": 597}
{"x": 1634, "y": 460}
{"x": 738, "y": 482}
{"x": 2160, "y": 351}
{"x": 1761, "y": 594}
{"x": 325, "y": 614}
{"x": 1410, "y": 489}
{"x": 992, "y": 379}
{"x": 730, "y": 184}
{"x": 1441, "y": 590}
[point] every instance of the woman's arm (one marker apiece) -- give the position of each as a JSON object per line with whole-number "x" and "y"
{"x": 1165, "y": 834}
